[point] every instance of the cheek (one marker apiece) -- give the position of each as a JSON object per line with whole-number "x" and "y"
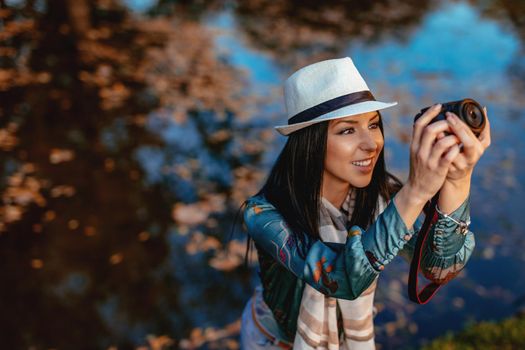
{"x": 332, "y": 154}
{"x": 380, "y": 143}
{"x": 377, "y": 136}
{"x": 339, "y": 151}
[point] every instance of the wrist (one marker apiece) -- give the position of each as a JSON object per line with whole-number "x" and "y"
{"x": 413, "y": 196}
{"x": 464, "y": 182}
{"x": 453, "y": 194}
{"x": 409, "y": 203}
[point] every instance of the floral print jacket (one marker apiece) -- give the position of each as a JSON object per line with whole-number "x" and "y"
{"x": 346, "y": 269}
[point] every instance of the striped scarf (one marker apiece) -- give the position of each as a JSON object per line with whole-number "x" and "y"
{"x": 318, "y": 325}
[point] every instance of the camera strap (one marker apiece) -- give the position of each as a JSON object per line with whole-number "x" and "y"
{"x": 431, "y": 217}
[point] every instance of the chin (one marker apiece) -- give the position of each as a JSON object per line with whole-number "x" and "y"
{"x": 360, "y": 184}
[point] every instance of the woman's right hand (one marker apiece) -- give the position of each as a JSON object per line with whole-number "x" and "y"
{"x": 431, "y": 154}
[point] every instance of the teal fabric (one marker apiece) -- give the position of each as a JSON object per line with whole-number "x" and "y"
{"x": 346, "y": 269}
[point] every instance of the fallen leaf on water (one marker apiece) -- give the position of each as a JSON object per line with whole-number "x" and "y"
{"x": 488, "y": 253}
{"x": 201, "y": 243}
{"x": 211, "y": 336}
{"x": 159, "y": 342}
{"x": 214, "y": 202}
{"x": 116, "y": 258}
{"x": 49, "y": 215}
{"x": 144, "y": 236}
{"x": 28, "y": 168}
{"x": 90, "y": 231}
{"x": 496, "y": 239}
{"x": 37, "y": 263}
{"x": 11, "y": 213}
{"x": 8, "y": 140}
{"x": 109, "y": 164}
{"x": 458, "y": 302}
{"x": 58, "y": 155}
{"x": 390, "y": 328}
{"x": 232, "y": 257}
{"x": 113, "y": 96}
{"x": 62, "y": 190}
{"x": 220, "y": 136}
{"x": 189, "y": 214}
{"x": 72, "y": 224}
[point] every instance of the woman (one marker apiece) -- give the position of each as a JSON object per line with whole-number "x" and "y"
{"x": 330, "y": 217}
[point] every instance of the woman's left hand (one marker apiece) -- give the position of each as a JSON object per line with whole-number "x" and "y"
{"x": 473, "y": 148}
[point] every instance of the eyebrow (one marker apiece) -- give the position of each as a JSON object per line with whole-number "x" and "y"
{"x": 354, "y": 121}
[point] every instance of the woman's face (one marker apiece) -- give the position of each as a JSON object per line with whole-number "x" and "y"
{"x": 353, "y": 146}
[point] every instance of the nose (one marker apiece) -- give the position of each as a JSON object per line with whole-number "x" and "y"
{"x": 367, "y": 142}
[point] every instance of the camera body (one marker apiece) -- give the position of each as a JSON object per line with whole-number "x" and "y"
{"x": 468, "y": 110}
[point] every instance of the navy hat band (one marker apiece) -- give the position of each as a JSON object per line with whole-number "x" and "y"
{"x": 331, "y": 105}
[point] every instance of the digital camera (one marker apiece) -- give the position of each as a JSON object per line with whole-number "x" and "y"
{"x": 468, "y": 110}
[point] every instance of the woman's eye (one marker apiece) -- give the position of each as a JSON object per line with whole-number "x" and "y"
{"x": 347, "y": 131}
{"x": 374, "y": 125}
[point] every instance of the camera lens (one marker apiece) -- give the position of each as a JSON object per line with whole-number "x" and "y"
{"x": 472, "y": 115}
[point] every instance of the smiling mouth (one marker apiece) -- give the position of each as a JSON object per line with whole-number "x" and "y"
{"x": 363, "y": 163}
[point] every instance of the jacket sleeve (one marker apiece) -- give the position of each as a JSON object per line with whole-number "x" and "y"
{"x": 446, "y": 250}
{"x": 338, "y": 270}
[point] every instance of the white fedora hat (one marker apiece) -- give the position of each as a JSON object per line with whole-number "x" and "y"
{"x": 326, "y": 90}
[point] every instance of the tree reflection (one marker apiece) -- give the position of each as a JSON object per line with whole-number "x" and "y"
{"x": 295, "y": 32}
{"x": 298, "y": 32}
{"x": 90, "y": 253}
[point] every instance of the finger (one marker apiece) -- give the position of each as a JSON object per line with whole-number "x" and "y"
{"x": 484, "y": 136}
{"x": 422, "y": 122}
{"x": 460, "y": 162}
{"x": 441, "y": 147}
{"x": 452, "y": 167}
{"x": 451, "y": 154}
{"x": 472, "y": 147}
{"x": 429, "y": 136}
{"x": 440, "y": 135}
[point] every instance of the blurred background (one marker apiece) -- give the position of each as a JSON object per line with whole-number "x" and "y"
{"x": 131, "y": 132}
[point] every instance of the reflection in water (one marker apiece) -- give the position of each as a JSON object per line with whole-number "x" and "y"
{"x": 128, "y": 143}
{"x": 91, "y": 253}
{"x": 82, "y": 255}
{"x": 296, "y": 33}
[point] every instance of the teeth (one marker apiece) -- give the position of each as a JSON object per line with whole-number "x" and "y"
{"x": 363, "y": 162}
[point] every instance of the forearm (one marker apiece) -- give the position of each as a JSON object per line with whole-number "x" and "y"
{"x": 453, "y": 194}
{"x": 409, "y": 204}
